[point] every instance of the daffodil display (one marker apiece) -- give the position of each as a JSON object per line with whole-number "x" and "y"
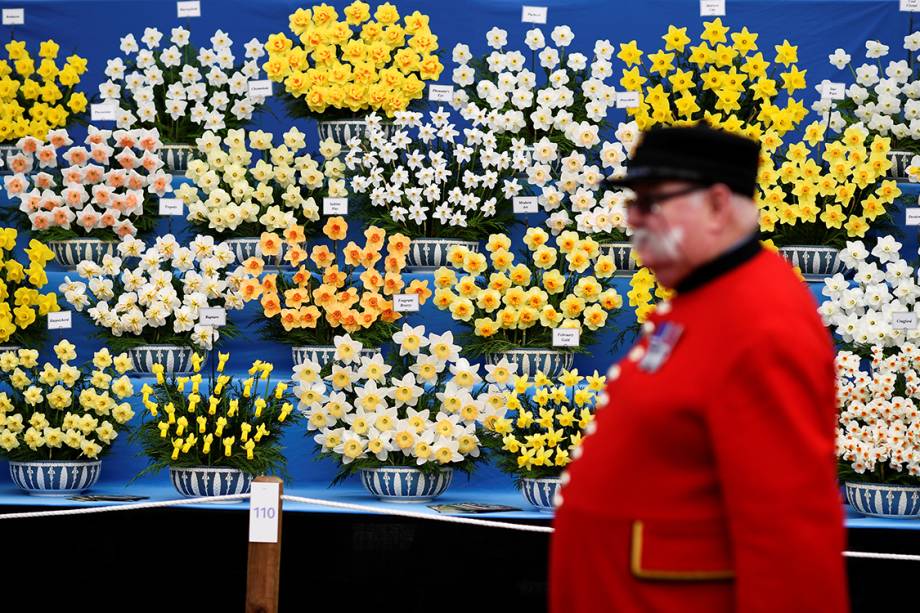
{"x": 878, "y": 431}
{"x": 728, "y": 84}
{"x": 558, "y": 95}
{"x": 336, "y": 68}
{"x": 531, "y": 428}
{"x": 216, "y": 419}
{"x": 417, "y": 410}
{"x": 59, "y": 411}
{"x": 507, "y": 305}
{"x": 821, "y": 193}
{"x": 332, "y": 291}
{"x": 248, "y": 190}
{"x": 108, "y": 188}
{"x": 424, "y": 182}
{"x": 23, "y": 306}
{"x": 160, "y": 299}
{"x": 886, "y": 104}
{"x": 35, "y": 100}
{"x": 180, "y": 89}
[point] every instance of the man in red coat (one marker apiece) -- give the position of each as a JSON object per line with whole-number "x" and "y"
{"x": 707, "y": 483}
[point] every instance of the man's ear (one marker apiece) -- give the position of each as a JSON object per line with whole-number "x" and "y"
{"x": 719, "y": 201}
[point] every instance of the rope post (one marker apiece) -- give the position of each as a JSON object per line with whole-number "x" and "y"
{"x": 264, "y": 568}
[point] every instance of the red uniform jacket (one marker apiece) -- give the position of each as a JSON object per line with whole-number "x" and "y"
{"x": 709, "y": 484}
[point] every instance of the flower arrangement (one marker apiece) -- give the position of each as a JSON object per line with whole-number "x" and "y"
{"x": 158, "y": 301}
{"x": 23, "y": 302}
{"x": 423, "y": 183}
{"x": 350, "y": 67}
{"x": 727, "y": 85}
{"x": 861, "y": 313}
{"x": 885, "y": 104}
{"x": 572, "y": 187}
{"x": 513, "y": 306}
{"x": 531, "y": 428}
{"x": 107, "y": 190}
{"x": 61, "y": 411}
{"x": 34, "y": 101}
{"x": 225, "y": 422}
{"x": 878, "y": 432}
{"x": 566, "y": 104}
{"x": 645, "y": 292}
{"x": 332, "y": 291}
{"x": 419, "y": 411}
{"x": 805, "y": 199}
{"x": 263, "y": 187}
{"x": 180, "y": 90}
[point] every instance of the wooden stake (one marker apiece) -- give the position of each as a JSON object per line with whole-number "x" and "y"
{"x": 264, "y": 569}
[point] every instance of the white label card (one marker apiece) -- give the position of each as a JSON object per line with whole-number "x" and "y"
{"x": 566, "y": 337}
{"x": 104, "y": 111}
{"x": 62, "y": 320}
{"x": 263, "y": 513}
{"x": 912, "y": 6}
{"x": 405, "y": 303}
{"x": 213, "y": 316}
{"x": 335, "y": 206}
{"x": 526, "y": 204}
{"x": 834, "y": 91}
{"x": 188, "y": 9}
{"x": 171, "y": 206}
{"x": 904, "y": 321}
{"x": 912, "y": 216}
{"x": 14, "y": 17}
{"x": 712, "y": 8}
{"x": 627, "y": 100}
{"x": 533, "y": 14}
{"x": 260, "y": 88}
{"x": 440, "y": 93}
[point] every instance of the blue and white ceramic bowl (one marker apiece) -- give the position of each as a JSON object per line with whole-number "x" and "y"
{"x": 882, "y": 500}
{"x": 541, "y": 492}
{"x": 198, "y": 481}
{"x": 55, "y": 478}
{"x": 405, "y": 484}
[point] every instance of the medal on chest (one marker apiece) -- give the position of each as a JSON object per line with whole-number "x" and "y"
{"x": 660, "y": 346}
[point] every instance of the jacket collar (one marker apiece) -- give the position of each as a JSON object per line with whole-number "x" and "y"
{"x": 726, "y": 262}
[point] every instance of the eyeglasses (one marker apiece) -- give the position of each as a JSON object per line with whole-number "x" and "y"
{"x": 649, "y": 203}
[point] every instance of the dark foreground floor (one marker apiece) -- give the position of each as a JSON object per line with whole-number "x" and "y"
{"x": 195, "y": 560}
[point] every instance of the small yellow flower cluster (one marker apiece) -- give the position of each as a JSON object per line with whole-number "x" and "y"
{"x": 643, "y": 286}
{"x": 36, "y": 100}
{"x": 226, "y": 424}
{"x": 566, "y": 286}
{"x": 359, "y": 64}
{"x": 536, "y": 425}
{"x": 846, "y": 191}
{"x": 60, "y": 411}
{"x": 21, "y": 302}
{"x": 725, "y": 84}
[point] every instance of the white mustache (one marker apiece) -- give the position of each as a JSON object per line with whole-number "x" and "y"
{"x": 664, "y": 246}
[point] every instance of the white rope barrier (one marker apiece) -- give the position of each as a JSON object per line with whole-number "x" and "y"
{"x": 414, "y": 515}
{"x": 127, "y": 507}
{"x": 881, "y": 556}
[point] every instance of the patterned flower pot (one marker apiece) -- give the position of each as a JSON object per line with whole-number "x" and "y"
{"x": 245, "y": 248}
{"x": 174, "y": 359}
{"x": 343, "y": 130}
{"x": 7, "y": 152}
{"x": 176, "y": 157}
{"x": 321, "y": 354}
{"x": 881, "y": 500}
{"x": 69, "y": 253}
{"x": 531, "y": 361}
{"x": 541, "y": 492}
{"x": 815, "y": 262}
{"x": 199, "y": 481}
{"x": 405, "y": 484}
{"x": 55, "y": 478}
{"x": 431, "y": 253}
{"x": 621, "y": 254}
{"x": 900, "y": 160}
